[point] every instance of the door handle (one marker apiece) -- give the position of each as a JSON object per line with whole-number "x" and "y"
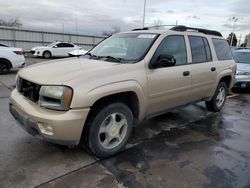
{"x": 186, "y": 73}
{"x": 213, "y": 69}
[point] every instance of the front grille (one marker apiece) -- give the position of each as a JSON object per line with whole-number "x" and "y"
{"x": 28, "y": 89}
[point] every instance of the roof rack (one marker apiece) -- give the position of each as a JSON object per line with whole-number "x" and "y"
{"x": 156, "y": 26}
{"x": 138, "y": 29}
{"x": 205, "y": 31}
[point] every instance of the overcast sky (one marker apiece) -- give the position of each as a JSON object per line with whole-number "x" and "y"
{"x": 94, "y": 16}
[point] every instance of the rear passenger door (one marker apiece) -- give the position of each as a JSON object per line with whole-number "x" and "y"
{"x": 169, "y": 87}
{"x": 202, "y": 67}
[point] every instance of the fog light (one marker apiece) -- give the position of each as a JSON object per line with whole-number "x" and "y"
{"x": 46, "y": 129}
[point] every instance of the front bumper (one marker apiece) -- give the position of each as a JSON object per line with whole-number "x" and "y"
{"x": 242, "y": 81}
{"x": 66, "y": 126}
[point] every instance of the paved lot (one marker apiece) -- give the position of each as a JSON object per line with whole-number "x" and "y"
{"x": 189, "y": 147}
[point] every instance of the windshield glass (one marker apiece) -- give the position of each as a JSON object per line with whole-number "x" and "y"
{"x": 124, "y": 47}
{"x": 52, "y": 44}
{"x": 242, "y": 57}
{"x": 3, "y": 45}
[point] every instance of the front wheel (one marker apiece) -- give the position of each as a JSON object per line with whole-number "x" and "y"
{"x": 219, "y": 98}
{"x": 110, "y": 130}
{"x": 46, "y": 55}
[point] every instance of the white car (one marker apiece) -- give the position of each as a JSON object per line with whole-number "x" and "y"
{"x": 78, "y": 52}
{"x": 242, "y": 58}
{"x": 55, "y": 49}
{"x": 10, "y": 57}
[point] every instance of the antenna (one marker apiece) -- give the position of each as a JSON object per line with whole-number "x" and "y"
{"x": 77, "y": 36}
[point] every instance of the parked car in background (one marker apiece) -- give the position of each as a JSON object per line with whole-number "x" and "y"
{"x": 77, "y": 52}
{"x": 55, "y": 49}
{"x": 242, "y": 58}
{"x": 10, "y": 57}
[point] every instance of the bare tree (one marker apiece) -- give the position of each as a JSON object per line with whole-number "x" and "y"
{"x": 114, "y": 29}
{"x": 11, "y": 23}
{"x": 157, "y": 23}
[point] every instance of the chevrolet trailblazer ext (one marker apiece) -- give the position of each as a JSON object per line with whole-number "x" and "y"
{"x": 125, "y": 79}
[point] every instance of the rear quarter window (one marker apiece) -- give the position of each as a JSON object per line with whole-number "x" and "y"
{"x": 222, "y": 49}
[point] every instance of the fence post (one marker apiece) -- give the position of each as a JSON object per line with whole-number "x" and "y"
{"x": 14, "y": 36}
{"x": 70, "y": 40}
{"x": 93, "y": 41}
{"x": 42, "y": 37}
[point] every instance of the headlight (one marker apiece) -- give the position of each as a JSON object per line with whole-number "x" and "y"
{"x": 55, "y": 97}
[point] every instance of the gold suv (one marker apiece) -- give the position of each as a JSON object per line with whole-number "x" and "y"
{"x": 127, "y": 78}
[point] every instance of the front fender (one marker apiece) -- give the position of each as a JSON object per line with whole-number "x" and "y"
{"x": 99, "y": 92}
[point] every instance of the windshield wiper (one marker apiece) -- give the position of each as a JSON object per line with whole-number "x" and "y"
{"x": 91, "y": 55}
{"x": 111, "y": 57}
{"x": 114, "y": 59}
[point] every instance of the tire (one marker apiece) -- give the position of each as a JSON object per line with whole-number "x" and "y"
{"x": 47, "y": 55}
{"x": 110, "y": 130}
{"x": 4, "y": 66}
{"x": 219, "y": 98}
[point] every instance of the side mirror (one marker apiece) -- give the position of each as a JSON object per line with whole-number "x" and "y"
{"x": 55, "y": 46}
{"x": 164, "y": 61}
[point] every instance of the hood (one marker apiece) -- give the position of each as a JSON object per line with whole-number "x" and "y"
{"x": 243, "y": 67}
{"x": 58, "y": 72}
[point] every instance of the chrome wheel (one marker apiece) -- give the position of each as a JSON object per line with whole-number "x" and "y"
{"x": 113, "y": 130}
{"x": 46, "y": 55}
{"x": 220, "y": 99}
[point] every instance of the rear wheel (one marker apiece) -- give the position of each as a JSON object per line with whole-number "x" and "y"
{"x": 110, "y": 130}
{"x": 219, "y": 98}
{"x": 4, "y": 66}
{"x": 46, "y": 54}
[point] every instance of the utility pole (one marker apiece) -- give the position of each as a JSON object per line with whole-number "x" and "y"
{"x": 63, "y": 30}
{"x": 144, "y": 12}
{"x": 232, "y": 37}
{"x": 239, "y": 40}
{"x": 76, "y": 30}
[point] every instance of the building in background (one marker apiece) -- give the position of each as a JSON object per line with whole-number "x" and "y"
{"x": 247, "y": 40}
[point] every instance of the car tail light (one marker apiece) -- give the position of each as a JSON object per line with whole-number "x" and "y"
{"x": 18, "y": 52}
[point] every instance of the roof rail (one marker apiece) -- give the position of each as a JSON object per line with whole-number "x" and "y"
{"x": 138, "y": 29}
{"x": 156, "y": 26}
{"x": 205, "y": 31}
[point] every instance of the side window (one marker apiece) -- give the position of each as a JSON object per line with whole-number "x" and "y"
{"x": 200, "y": 49}
{"x": 64, "y": 45}
{"x": 222, "y": 49}
{"x": 175, "y": 46}
{"x": 67, "y": 45}
{"x": 60, "y": 45}
{"x": 208, "y": 51}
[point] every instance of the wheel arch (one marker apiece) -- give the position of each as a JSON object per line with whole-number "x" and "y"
{"x": 47, "y": 51}
{"x": 227, "y": 79}
{"x": 129, "y": 98}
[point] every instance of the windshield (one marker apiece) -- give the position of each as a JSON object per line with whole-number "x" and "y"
{"x": 124, "y": 47}
{"x": 242, "y": 57}
{"x": 52, "y": 44}
{"x": 3, "y": 45}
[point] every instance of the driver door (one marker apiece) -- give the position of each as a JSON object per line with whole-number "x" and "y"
{"x": 169, "y": 86}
